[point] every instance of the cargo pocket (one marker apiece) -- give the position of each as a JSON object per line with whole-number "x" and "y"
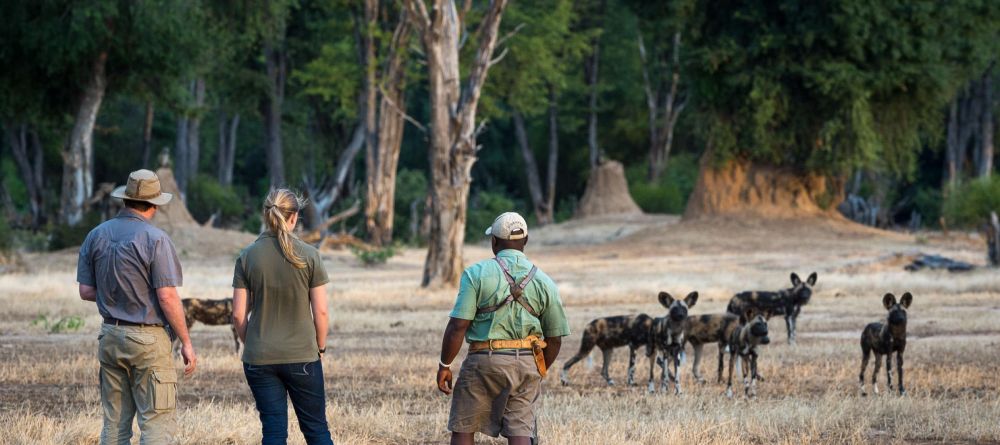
{"x": 141, "y": 338}
{"x": 164, "y": 389}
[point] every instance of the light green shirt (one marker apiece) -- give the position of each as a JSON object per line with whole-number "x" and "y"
{"x": 483, "y": 284}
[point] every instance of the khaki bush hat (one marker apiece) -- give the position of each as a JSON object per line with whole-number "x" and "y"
{"x": 143, "y": 185}
{"x": 507, "y": 223}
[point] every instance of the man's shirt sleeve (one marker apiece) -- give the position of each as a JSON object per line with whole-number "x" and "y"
{"x": 468, "y": 296}
{"x": 165, "y": 271}
{"x": 85, "y": 264}
{"x": 554, "y": 322}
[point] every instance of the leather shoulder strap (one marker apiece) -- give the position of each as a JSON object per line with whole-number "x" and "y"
{"x": 516, "y": 290}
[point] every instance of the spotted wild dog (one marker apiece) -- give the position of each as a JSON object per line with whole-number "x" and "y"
{"x": 666, "y": 339}
{"x": 609, "y": 333}
{"x": 884, "y": 338}
{"x": 709, "y": 328}
{"x": 743, "y": 343}
{"x": 787, "y": 302}
{"x": 210, "y": 312}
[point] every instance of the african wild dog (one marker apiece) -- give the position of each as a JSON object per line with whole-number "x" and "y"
{"x": 787, "y": 302}
{"x": 666, "y": 338}
{"x": 709, "y": 328}
{"x": 609, "y": 333}
{"x": 884, "y": 338}
{"x": 743, "y": 342}
{"x": 209, "y": 312}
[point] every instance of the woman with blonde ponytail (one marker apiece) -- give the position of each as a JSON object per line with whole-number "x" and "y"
{"x": 279, "y": 310}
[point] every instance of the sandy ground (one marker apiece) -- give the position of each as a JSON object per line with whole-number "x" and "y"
{"x": 385, "y": 336}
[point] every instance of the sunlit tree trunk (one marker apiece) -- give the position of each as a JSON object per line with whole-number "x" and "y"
{"x": 78, "y": 154}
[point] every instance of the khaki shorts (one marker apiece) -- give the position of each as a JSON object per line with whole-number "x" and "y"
{"x": 496, "y": 394}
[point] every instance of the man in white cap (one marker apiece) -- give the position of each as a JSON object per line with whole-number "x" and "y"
{"x": 511, "y": 315}
{"x": 131, "y": 270}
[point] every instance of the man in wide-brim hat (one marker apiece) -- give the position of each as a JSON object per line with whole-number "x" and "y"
{"x": 131, "y": 270}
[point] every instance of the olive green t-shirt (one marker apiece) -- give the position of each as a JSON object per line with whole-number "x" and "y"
{"x": 483, "y": 284}
{"x": 280, "y": 327}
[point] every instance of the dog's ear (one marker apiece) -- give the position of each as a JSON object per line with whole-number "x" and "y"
{"x": 888, "y": 300}
{"x": 906, "y": 300}
{"x": 691, "y": 299}
{"x": 812, "y": 279}
{"x": 796, "y": 281}
{"x": 666, "y": 299}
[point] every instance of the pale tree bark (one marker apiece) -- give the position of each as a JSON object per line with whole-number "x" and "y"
{"x": 276, "y": 69}
{"x": 453, "y": 127}
{"x": 78, "y": 154}
{"x": 181, "y": 153}
{"x": 384, "y": 88}
{"x": 665, "y": 107}
{"x": 323, "y": 196}
{"x": 553, "y": 153}
{"x": 969, "y": 150}
{"x": 985, "y": 165}
{"x": 147, "y": 134}
{"x": 194, "y": 129}
{"x": 228, "y": 129}
{"x": 28, "y": 156}
{"x": 591, "y": 73}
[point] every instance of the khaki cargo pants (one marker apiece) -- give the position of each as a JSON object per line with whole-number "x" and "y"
{"x": 137, "y": 378}
{"x": 496, "y": 394}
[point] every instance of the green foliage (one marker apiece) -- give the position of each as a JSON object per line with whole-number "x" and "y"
{"x": 411, "y": 189}
{"x": 206, "y": 196}
{"x": 970, "y": 204}
{"x": 63, "y": 324}
{"x": 374, "y": 257}
{"x": 670, "y": 194}
{"x": 831, "y": 86}
{"x": 6, "y": 236}
{"x": 483, "y": 209}
{"x": 252, "y": 223}
{"x": 927, "y": 201}
{"x": 63, "y": 236}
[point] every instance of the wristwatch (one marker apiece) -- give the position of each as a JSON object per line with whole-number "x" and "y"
{"x": 322, "y": 350}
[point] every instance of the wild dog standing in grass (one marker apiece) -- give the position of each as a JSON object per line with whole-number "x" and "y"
{"x": 884, "y": 338}
{"x": 787, "y": 302}
{"x": 609, "y": 333}
{"x": 709, "y": 328}
{"x": 210, "y": 312}
{"x": 666, "y": 336}
{"x": 743, "y": 342}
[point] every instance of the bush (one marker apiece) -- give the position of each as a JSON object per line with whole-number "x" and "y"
{"x": 64, "y": 324}
{"x": 64, "y": 236}
{"x": 206, "y": 196}
{"x": 927, "y": 202}
{"x": 372, "y": 257}
{"x": 969, "y": 204}
{"x": 670, "y": 193}
{"x": 483, "y": 209}
{"x": 6, "y": 236}
{"x": 411, "y": 185}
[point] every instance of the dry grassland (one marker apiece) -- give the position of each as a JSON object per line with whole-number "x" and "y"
{"x": 386, "y": 332}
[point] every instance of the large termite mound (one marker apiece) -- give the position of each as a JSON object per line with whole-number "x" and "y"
{"x": 741, "y": 187}
{"x": 175, "y": 214}
{"x": 607, "y": 193}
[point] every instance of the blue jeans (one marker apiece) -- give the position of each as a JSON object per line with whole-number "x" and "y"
{"x": 303, "y": 382}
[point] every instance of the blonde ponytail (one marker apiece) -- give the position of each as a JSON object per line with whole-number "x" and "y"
{"x": 279, "y": 206}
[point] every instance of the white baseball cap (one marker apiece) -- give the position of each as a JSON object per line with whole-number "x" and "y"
{"x": 507, "y": 223}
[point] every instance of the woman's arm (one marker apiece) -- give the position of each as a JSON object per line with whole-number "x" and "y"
{"x": 317, "y": 300}
{"x": 240, "y": 313}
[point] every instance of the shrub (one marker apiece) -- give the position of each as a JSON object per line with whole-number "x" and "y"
{"x": 970, "y": 203}
{"x": 670, "y": 193}
{"x": 64, "y": 236}
{"x": 64, "y": 324}
{"x": 372, "y": 257}
{"x": 206, "y": 196}
{"x": 6, "y": 236}
{"x": 411, "y": 186}
{"x": 483, "y": 210}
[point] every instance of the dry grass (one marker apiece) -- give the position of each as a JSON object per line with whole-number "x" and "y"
{"x": 386, "y": 333}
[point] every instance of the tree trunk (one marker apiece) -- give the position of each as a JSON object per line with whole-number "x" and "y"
{"x": 652, "y": 114}
{"x": 453, "y": 128}
{"x": 78, "y": 169}
{"x": 27, "y": 151}
{"x": 274, "y": 55}
{"x": 591, "y": 72}
{"x": 661, "y": 133}
{"x": 147, "y": 134}
{"x": 741, "y": 187}
{"x": 553, "y": 166}
{"x": 194, "y": 130}
{"x": 325, "y": 196}
{"x": 181, "y": 152}
{"x": 985, "y": 165}
{"x": 952, "y": 150}
{"x": 228, "y": 129}
{"x": 542, "y": 211}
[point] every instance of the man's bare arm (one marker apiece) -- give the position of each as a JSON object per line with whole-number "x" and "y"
{"x": 88, "y": 293}
{"x": 551, "y": 351}
{"x": 451, "y": 344}
{"x": 173, "y": 311}
{"x": 240, "y": 313}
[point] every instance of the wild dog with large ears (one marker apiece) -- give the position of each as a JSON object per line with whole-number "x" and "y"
{"x": 666, "y": 336}
{"x": 884, "y": 338}
{"x": 743, "y": 344}
{"x": 787, "y": 302}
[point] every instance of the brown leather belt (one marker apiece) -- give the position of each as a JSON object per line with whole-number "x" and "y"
{"x": 532, "y": 342}
{"x": 117, "y": 322}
